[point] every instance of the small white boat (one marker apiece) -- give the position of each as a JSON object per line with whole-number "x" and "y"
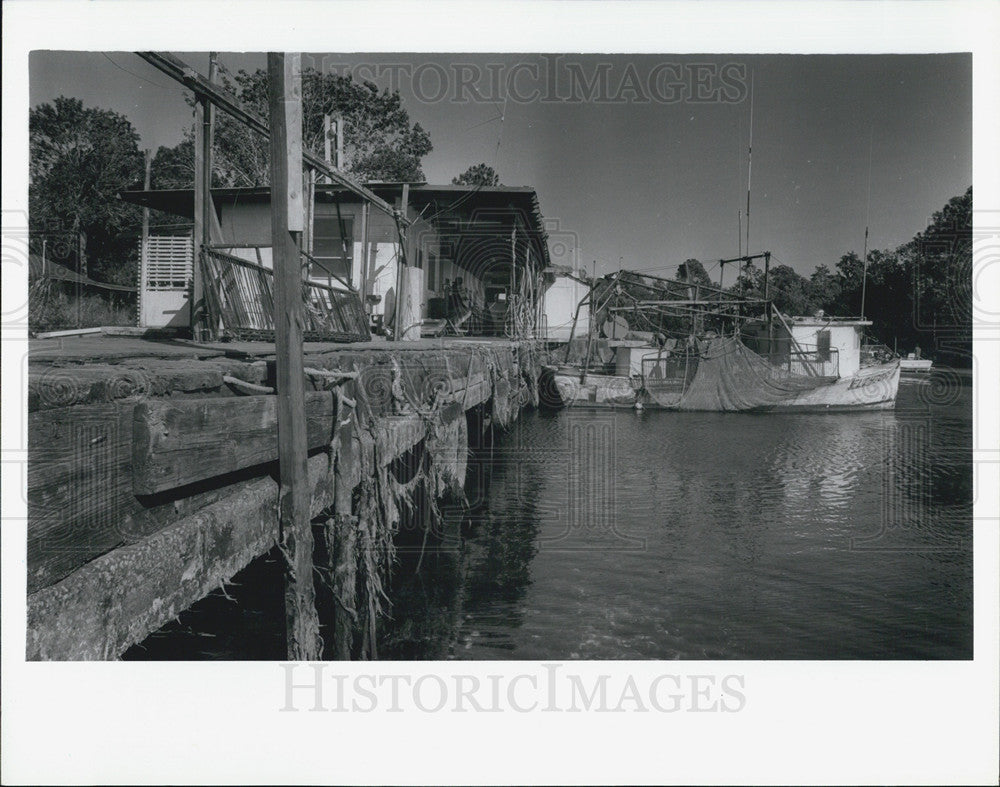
{"x": 916, "y": 365}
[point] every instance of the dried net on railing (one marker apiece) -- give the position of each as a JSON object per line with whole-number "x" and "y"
{"x": 731, "y": 377}
{"x": 240, "y": 296}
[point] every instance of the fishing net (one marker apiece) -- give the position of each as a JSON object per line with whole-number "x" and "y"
{"x": 728, "y": 376}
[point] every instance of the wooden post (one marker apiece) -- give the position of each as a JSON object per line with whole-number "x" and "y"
{"x": 285, "y": 103}
{"x": 408, "y": 303}
{"x": 362, "y": 265}
{"x": 338, "y": 148}
{"x": 144, "y": 248}
{"x": 513, "y": 280}
{"x": 327, "y": 141}
{"x": 197, "y": 303}
{"x": 400, "y": 266}
{"x": 341, "y": 534}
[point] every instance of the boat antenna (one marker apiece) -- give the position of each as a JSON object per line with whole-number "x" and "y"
{"x": 749, "y": 162}
{"x": 868, "y": 210}
{"x": 739, "y": 209}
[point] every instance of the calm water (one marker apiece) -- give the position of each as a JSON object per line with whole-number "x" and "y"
{"x": 623, "y": 535}
{"x": 711, "y": 536}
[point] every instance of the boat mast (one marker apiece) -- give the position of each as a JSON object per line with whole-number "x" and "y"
{"x": 868, "y": 210}
{"x": 749, "y": 162}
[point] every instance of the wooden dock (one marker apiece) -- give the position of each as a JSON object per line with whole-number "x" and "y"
{"x": 152, "y": 475}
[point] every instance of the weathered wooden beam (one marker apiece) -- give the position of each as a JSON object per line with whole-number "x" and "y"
{"x": 77, "y": 459}
{"x": 119, "y": 598}
{"x": 103, "y": 608}
{"x": 181, "y": 441}
{"x": 285, "y": 105}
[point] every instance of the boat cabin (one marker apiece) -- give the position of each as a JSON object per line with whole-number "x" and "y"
{"x": 816, "y": 346}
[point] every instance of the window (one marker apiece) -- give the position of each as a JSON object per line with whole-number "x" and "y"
{"x": 823, "y": 345}
{"x": 333, "y": 251}
{"x": 169, "y": 262}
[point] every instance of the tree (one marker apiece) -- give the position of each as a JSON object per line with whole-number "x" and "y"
{"x": 80, "y": 158}
{"x": 173, "y": 168}
{"x": 824, "y": 289}
{"x": 693, "y": 271}
{"x": 790, "y": 291}
{"x": 380, "y": 143}
{"x": 917, "y": 293}
{"x": 478, "y": 175}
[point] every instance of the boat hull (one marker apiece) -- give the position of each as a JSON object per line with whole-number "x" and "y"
{"x": 914, "y": 366}
{"x": 872, "y": 388}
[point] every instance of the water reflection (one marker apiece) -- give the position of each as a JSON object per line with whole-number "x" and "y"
{"x": 703, "y": 535}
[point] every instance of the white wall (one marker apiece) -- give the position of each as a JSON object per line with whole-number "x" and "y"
{"x": 845, "y": 339}
{"x": 559, "y": 306}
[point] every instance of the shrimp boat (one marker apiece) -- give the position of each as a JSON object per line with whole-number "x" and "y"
{"x": 678, "y": 345}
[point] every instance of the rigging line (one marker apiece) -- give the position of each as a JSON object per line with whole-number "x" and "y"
{"x": 498, "y": 116}
{"x": 503, "y": 115}
{"x": 132, "y": 73}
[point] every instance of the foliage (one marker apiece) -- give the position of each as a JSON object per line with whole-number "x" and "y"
{"x": 80, "y": 158}
{"x": 693, "y": 271}
{"x": 173, "y": 168}
{"x": 917, "y": 293}
{"x": 57, "y": 309}
{"x": 479, "y": 175}
{"x": 380, "y": 143}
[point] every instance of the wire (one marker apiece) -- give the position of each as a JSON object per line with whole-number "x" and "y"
{"x": 143, "y": 79}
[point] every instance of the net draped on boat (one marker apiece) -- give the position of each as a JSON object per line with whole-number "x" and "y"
{"x": 730, "y": 377}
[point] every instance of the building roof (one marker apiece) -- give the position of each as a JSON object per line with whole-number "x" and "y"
{"x": 482, "y": 202}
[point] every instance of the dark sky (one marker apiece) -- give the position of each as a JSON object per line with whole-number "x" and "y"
{"x": 644, "y": 157}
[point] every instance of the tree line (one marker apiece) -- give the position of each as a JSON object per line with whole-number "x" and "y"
{"x": 917, "y": 294}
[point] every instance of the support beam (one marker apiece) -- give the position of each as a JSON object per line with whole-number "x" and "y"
{"x": 179, "y": 442}
{"x": 285, "y": 103}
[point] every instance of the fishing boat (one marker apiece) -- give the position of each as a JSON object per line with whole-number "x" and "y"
{"x": 677, "y": 345}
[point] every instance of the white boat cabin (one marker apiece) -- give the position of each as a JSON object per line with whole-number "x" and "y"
{"x": 816, "y": 346}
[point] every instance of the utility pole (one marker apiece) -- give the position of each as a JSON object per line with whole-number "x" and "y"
{"x": 287, "y": 221}
{"x": 333, "y": 141}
